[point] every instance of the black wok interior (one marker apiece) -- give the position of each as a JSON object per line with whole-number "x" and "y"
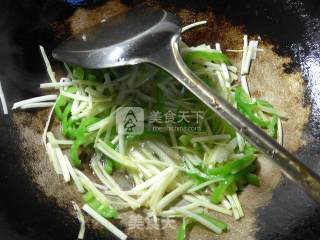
{"x": 293, "y": 26}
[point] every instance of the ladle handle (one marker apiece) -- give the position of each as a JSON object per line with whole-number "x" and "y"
{"x": 170, "y": 60}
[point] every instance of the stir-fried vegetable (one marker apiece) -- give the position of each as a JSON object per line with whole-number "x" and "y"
{"x": 184, "y": 152}
{"x": 182, "y": 230}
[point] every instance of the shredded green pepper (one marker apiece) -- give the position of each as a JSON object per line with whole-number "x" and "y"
{"x": 108, "y": 166}
{"x": 185, "y": 139}
{"x": 65, "y": 122}
{"x": 253, "y": 179}
{"x": 246, "y": 106}
{"x": 216, "y": 57}
{"x": 232, "y": 167}
{"x": 102, "y": 209}
{"x": 81, "y": 139}
{"x": 272, "y": 127}
{"x": 107, "y": 211}
{"x": 61, "y": 102}
{"x": 95, "y": 204}
{"x": 218, "y": 193}
{"x": 88, "y": 197}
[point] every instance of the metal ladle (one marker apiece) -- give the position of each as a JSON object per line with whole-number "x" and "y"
{"x": 150, "y": 35}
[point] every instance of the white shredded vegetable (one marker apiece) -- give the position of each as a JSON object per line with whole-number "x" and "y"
{"x": 173, "y": 195}
{"x": 3, "y": 100}
{"x": 44, "y": 135}
{"x": 80, "y": 219}
{"x": 233, "y": 207}
{"x": 56, "y": 85}
{"x": 244, "y": 53}
{"x": 34, "y": 100}
{"x": 104, "y": 222}
{"x": 53, "y": 158}
{"x": 218, "y": 47}
{"x": 280, "y": 132}
{"x": 207, "y": 204}
{"x": 238, "y": 205}
{"x": 37, "y": 105}
{"x": 244, "y": 84}
{"x": 47, "y": 63}
{"x": 212, "y": 138}
{"x": 196, "y": 24}
{"x": 199, "y": 219}
{"x": 172, "y": 212}
{"x": 62, "y": 161}
{"x": 89, "y": 186}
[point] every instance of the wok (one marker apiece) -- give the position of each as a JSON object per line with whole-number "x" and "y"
{"x": 35, "y": 204}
